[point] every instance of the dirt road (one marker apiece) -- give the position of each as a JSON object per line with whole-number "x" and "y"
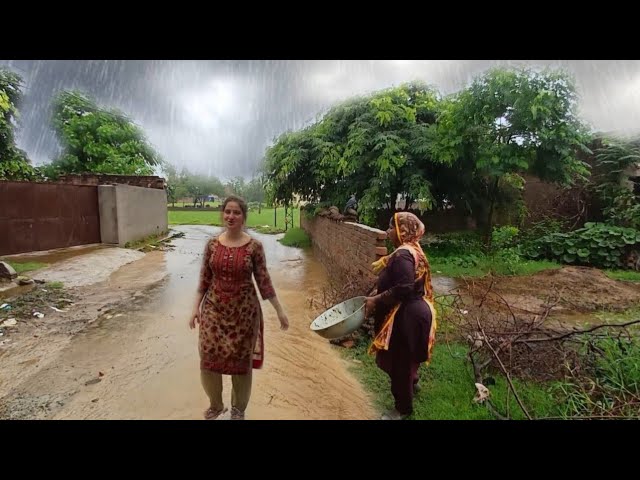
{"x": 139, "y": 360}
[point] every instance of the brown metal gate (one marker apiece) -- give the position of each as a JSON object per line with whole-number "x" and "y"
{"x": 44, "y": 216}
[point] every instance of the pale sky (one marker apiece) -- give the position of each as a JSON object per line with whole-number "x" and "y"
{"x": 218, "y": 117}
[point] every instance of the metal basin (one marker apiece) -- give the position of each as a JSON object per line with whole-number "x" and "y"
{"x": 341, "y": 319}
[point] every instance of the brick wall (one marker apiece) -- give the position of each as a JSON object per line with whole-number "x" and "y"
{"x": 346, "y": 249}
{"x": 146, "y": 181}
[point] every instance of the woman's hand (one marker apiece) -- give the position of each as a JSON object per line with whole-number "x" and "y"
{"x": 194, "y": 319}
{"x": 284, "y": 321}
{"x": 369, "y": 306}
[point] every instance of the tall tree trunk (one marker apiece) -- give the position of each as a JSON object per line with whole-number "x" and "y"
{"x": 489, "y": 227}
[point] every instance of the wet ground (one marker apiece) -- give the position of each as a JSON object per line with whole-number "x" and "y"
{"x": 577, "y": 294}
{"x": 123, "y": 349}
{"x": 138, "y": 359}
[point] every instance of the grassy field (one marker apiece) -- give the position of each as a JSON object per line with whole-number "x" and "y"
{"x": 451, "y": 267}
{"x": 254, "y": 219}
{"x": 26, "y": 266}
{"x": 447, "y": 388}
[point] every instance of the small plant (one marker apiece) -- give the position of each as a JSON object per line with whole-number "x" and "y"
{"x": 507, "y": 261}
{"x": 296, "y": 237}
{"x": 609, "y": 384}
{"x": 27, "y": 266}
{"x": 503, "y": 237}
{"x": 597, "y": 244}
{"x": 457, "y": 243}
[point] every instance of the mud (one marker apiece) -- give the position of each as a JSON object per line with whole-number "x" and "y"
{"x": 125, "y": 350}
{"x": 577, "y": 290}
{"x": 57, "y": 255}
{"x": 92, "y": 267}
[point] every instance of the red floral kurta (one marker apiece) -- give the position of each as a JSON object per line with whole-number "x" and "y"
{"x": 231, "y": 339}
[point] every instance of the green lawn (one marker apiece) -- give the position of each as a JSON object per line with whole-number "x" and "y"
{"x": 447, "y": 388}
{"x": 454, "y": 267}
{"x": 626, "y": 275}
{"x": 26, "y": 266}
{"x": 254, "y": 219}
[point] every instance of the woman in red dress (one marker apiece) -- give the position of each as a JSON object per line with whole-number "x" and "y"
{"x": 231, "y": 337}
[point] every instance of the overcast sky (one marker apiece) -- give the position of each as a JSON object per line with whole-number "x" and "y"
{"x": 218, "y": 117}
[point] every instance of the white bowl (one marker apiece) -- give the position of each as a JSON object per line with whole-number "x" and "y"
{"x": 340, "y": 320}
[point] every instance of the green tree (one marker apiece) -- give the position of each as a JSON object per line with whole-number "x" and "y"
{"x": 236, "y": 186}
{"x": 373, "y": 146}
{"x": 198, "y": 187}
{"x": 98, "y": 140}
{"x": 507, "y": 123}
{"x": 615, "y": 161}
{"x": 254, "y": 190}
{"x": 175, "y": 184}
{"x": 14, "y": 164}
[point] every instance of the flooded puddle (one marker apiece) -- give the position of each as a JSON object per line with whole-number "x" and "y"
{"x": 55, "y": 256}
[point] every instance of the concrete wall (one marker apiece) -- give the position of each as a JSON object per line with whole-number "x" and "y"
{"x": 346, "y": 249}
{"x": 108, "y": 214}
{"x": 131, "y": 213}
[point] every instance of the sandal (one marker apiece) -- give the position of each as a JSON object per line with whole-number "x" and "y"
{"x": 209, "y": 414}
{"x": 236, "y": 414}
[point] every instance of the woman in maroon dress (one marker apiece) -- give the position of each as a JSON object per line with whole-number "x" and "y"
{"x": 231, "y": 337}
{"x": 405, "y": 319}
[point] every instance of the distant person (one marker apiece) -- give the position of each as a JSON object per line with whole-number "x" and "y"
{"x": 403, "y": 311}
{"x": 227, "y": 308}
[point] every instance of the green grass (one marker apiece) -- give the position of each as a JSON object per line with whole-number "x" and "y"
{"x": 296, "y": 237}
{"x": 27, "y": 266}
{"x": 268, "y": 230}
{"x": 452, "y": 267}
{"x": 254, "y": 219}
{"x": 448, "y": 388}
{"x": 613, "y": 385}
{"x": 626, "y": 275}
{"x": 618, "y": 317}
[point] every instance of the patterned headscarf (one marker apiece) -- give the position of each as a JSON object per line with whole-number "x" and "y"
{"x": 408, "y": 227}
{"x": 410, "y": 230}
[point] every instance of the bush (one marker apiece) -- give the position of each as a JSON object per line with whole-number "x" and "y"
{"x": 504, "y": 237}
{"x": 609, "y": 384}
{"x": 296, "y": 237}
{"x": 597, "y": 244}
{"x": 454, "y": 244}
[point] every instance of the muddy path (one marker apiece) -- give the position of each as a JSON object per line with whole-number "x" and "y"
{"x": 139, "y": 360}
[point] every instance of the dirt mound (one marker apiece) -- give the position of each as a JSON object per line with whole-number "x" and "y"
{"x": 580, "y": 289}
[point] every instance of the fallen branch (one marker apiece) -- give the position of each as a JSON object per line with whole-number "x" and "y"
{"x": 504, "y": 370}
{"x": 593, "y": 417}
{"x": 579, "y": 332}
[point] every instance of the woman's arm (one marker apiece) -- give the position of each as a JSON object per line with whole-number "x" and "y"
{"x": 206, "y": 277}
{"x": 284, "y": 320}
{"x": 263, "y": 280}
{"x": 402, "y": 273}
